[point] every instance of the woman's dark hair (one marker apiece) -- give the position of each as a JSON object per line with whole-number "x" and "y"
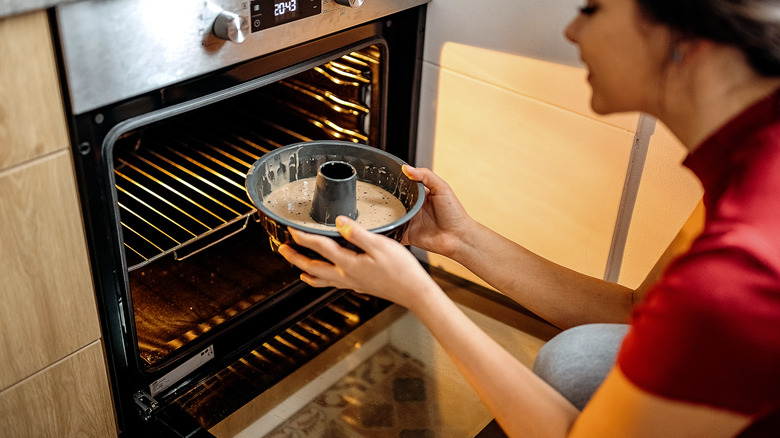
{"x": 751, "y": 25}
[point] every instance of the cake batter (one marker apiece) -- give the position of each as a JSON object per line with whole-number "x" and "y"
{"x": 292, "y": 201}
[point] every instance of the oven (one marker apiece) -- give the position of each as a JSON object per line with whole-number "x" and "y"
{"x": 169, "y": 104}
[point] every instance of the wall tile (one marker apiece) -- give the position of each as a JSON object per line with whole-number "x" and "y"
{"x": 529, "y": 28}
{"x": 555, "y": 84}
{"x": 517, "y": 171}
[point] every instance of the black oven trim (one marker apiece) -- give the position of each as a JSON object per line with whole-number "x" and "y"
{"x": 91, "y": 131}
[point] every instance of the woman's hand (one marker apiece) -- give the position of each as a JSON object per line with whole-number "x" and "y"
{"x": 386, "y": 269}
{"x": 442, "y": 223}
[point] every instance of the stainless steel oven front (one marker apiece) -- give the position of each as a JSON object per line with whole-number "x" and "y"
{"x": 170, "y": 103}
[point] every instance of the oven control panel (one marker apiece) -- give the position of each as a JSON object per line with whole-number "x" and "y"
{"x": 265, "y": 14}
{"x": 236, "y": 21}
{"x": 175, "y": 40}
{"x": 254, "y": 16}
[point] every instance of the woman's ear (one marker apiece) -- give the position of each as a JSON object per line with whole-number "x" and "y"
{"x": 689, "y": 49}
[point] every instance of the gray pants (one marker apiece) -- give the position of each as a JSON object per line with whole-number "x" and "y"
{"x": 576, "y": 361}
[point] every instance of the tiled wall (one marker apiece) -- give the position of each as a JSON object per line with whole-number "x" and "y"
{"x": 505, "y": 120}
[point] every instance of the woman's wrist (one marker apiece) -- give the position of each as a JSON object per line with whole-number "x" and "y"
{"x": 464, "y": 243}
{"x": 425, "y": 298}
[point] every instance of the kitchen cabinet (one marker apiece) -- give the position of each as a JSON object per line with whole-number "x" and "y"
{"x": 31, "y": 113}
{"x": 63, "y": 400}
{"x": 53, "y": 379}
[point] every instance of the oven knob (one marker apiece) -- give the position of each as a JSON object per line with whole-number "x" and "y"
{"x": 350, "y": 3}
{"x": 231, "y": 27}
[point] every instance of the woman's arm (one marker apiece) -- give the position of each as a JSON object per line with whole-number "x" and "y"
{"x": 619, "y": 409}
{"x": 523, "y": 404}
{"x": 561, "y": 296}
{"x": 518, "y": 398}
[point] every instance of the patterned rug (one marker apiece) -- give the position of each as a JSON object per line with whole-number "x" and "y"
{"x": 387, "y": 396}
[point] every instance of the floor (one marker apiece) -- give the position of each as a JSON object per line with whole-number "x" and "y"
{"x": 387, "y": 396}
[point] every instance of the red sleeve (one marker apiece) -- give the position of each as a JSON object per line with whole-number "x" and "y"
{"x": 709, "y": 331}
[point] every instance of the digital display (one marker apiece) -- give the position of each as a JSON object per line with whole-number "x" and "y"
{"x": 285, "y": 10}
{"x": 265, "y": 14}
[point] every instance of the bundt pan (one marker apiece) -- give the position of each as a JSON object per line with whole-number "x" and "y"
{"x": 302, "y": 160}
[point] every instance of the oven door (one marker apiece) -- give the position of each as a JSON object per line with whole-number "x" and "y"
{"x": 185, "y": 346}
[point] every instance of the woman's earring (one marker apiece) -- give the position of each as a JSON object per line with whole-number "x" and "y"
{"x": 677, "y": 56}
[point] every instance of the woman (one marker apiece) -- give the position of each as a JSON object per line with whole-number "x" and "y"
{"x": 702, "y": 354}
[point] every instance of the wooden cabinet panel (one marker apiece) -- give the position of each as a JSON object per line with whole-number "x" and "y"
{"x": 48, "y": 304}
{"x": 68, "y": 399}
{"x": 31, "y": 112}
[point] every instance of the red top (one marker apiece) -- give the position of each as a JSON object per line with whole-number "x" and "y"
{"x": 709, "y": 331}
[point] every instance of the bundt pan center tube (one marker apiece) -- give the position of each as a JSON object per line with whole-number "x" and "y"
{"x": 335, "y": 192}
{"x": 304, "y": 160}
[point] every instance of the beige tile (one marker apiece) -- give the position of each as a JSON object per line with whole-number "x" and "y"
{"x": 544, "y": 176}
{"x": 527, "y": 28}
{"x": 556, "y": 84}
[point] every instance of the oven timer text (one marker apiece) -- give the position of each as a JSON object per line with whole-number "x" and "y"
{"x": 283, "y": 8}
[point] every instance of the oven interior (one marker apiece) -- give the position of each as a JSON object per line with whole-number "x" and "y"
{"x": 196, "y": 257}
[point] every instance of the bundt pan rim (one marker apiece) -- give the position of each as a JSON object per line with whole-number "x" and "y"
{"x": 373, "y": 165}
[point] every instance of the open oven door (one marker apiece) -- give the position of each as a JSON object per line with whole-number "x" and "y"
{"x": 386, "y": 376}
{"x": 290, "y": 355}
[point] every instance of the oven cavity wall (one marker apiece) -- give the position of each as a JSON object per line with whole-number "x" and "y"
{"x": 53, "y": 379}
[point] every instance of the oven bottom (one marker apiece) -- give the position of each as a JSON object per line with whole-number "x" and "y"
{"x": 389, "y": 378}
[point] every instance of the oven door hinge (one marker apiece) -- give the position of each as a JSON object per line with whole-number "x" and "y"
{"x": 169, "y": 420}
{"x": 146, "y": 404}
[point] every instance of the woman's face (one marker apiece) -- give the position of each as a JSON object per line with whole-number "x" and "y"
{"x": 625, "y": 54}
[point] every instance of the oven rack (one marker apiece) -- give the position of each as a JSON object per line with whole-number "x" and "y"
{"x": 180, "y": 185}
{"x": 187, "y": 189}
{"x": 213, "y": 398}
{"x": 169, "y": 199}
